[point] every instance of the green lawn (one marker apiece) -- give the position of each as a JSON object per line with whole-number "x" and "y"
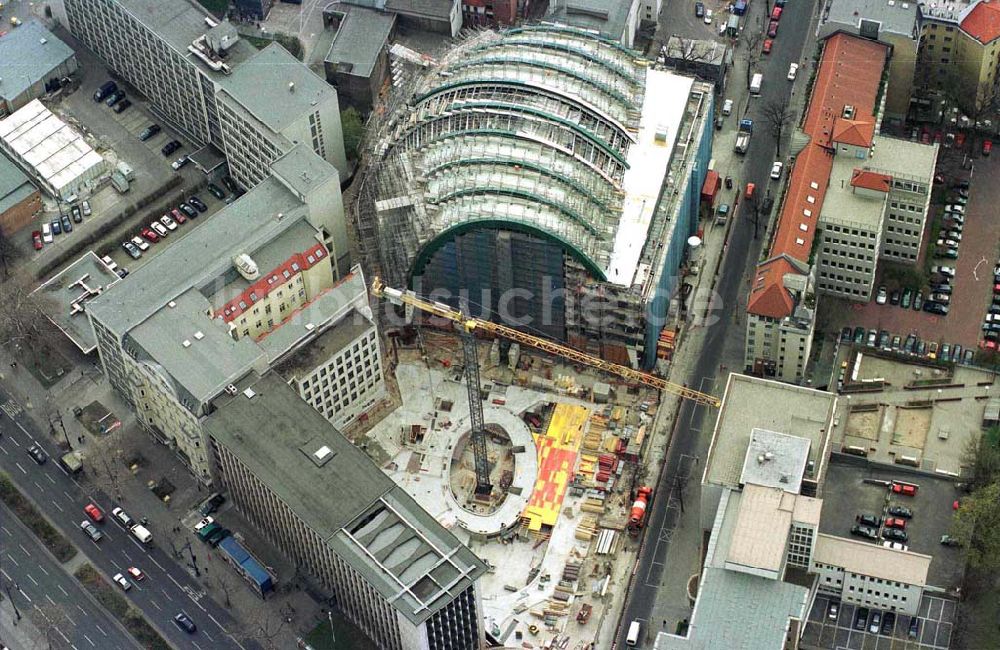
{"x": 217, "y": 7}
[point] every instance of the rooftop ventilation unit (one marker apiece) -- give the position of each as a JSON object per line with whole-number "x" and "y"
{"x": 186, "y": 343}
{"x": 199, "y": 335}
{"x": 231, "y": 389}
{"x": 249, "y": 394}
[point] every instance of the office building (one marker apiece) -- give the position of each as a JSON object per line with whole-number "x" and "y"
{"x": 395, "y": 572}
{"x": 543, "y": 163}
{"x": 617, "y": 20}
{"x": 191, "y": 68}
{"x": 254, "y": 284}
{"x": 358, "y": 60}
{"x": 33, "y": 62}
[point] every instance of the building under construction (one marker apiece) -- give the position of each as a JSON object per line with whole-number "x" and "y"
{"x": 547, "y": 160}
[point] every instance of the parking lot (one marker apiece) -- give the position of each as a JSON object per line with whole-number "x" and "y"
{"x": 931, "y": 507}
{"x": 934, "y": 631}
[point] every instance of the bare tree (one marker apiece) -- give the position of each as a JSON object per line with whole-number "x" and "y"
{"x": 777, "y": 116}
{"x": 685, "y": 54}
{"x": 24, "y": 321}
{"x": 51, "y": 620}
{"x": 222, "y": 580}
{"x": 9, "y": 253}
{"x": 110, "y": 455}
{"x": 266, "y": 625}
{"x": 753, "y": 38}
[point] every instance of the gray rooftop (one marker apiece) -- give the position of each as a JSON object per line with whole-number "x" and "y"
{"x": 438, "y": 9}
{"x": 208, "y": 361}
{"x": 775, "y": 460}
{"x": 897, "y": 18}
{"x": 609, "y": 17}
{"x": 263, "y": 86}
{"x": 752, "y": 403}
{"x": 302, "y": 169}
{"x": 338, "y": 306}
{"x": 27, "y": 55}
{"x": 202, "y": 255}
{"x": 15, "y": 186}
{"x": 179, "y": 24}
{"x": 359, "y": 40}
{"x": 339, "y": 493}
{"x": 62, "y": 289}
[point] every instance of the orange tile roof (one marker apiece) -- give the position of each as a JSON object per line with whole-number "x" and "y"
{"x": 983, "y": 22}
{"x": 849, "y": 74}
{"x": 871, "y": 180}
{"x": 859, "y": 133}
{"x": 769, "y": 297}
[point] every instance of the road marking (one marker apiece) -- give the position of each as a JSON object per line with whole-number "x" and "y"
{"x": 195, "y": 644}
{"x": 63, "y": 590}
{"x": 4, "y": 450}
{"x": 155, "y": 604}
{"x": 126, "y": 555}
{"x": 16, "y": 443}
{"x": 88, "y": 640}
{"x": 100, "y": 629}
{"x": 81, "y": 610}
{"x": 25, "y": 550}
{"x": 26, "y": 597}
{"x": 31, "y": 578}
{"x": 167, "y": 595}
{"x": 174, "y": 581}
{"x": 51, "y": 480}
{"x": 13, "y": 560}
{"x": 65, "y": 638}
{"x": 11, "y": 408}
{"x": 4, "y": 528}
{"x": 4, "y": 574}
{"x": 218, "y": 624}
{"x": 39, "y": 486}
{"x": 153, "y": 560}
{"x": 210, "y": 637}
{"x": 57, "y": 505}
{"x": 49, "y": 598}
{"x": 67, "y": 495}
{"x": 20, "y": 468}
{"x": 42, "y": 569}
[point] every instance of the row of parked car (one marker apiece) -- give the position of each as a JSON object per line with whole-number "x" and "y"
{"x": 163, "y": 226}
{"x": 911, "y": 344}
{"x": 59, "y": 225}
{"x": 113, "y": 97}
{"x": 874, "y": 621}
{"x": 949, "y": 235}
{"x": 936, "y": 301}
{"x": 891, "y": 528}
{"x": 991, "y": 321}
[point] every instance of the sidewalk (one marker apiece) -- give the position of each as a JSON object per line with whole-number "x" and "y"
{"x": 17, "y": 634}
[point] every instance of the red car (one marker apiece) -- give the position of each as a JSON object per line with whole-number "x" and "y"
{"x": 768, "y": 44}
{"x": 959, "y": 139}
{"x": 776, "y": 13}
{"x": 772, "y": 29}
{"x": 895, "y": 522}
{"x": 149, "y": 235}
{"x": 988, "y": 344}
{"x": 94, "y": 512}
{"x": 178, "y": 215}
{"x": 987, "y": 147}
{"x": 36, "y": 240}
{"x": 904, "y": 489}
{"x": 925, "y": 137}
{"x": 996, "y": 288}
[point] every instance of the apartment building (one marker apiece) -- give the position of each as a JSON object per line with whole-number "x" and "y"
{"x": 248, "y": 288}
{"x": 395, "y": 572}
{"x": 870, "y": 575}
{"x": 959, "y": 47}
{"x": 190, "y": 68}
{"x": 780, "y": 329}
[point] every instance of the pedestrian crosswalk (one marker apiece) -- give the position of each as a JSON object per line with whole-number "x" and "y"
{"x": 11, "y": 408}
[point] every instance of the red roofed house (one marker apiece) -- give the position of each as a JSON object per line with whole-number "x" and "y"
{"x": 961, "y": 48}
{"x": 853, "y": 197}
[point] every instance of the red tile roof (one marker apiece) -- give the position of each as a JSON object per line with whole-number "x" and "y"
{"x": 983, "y": 22}
{"x": 859, "y": 133}
{"x": 768, "y": 296}
{"x": 274, "y": 278}
{"x": 871, "y": 180}
{"x": 849, "y": 74}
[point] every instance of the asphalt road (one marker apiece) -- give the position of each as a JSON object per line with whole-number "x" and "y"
{"x": 36, "y": 581}
{"x": 742, "y": 249}
{"x": 167, "y": 589}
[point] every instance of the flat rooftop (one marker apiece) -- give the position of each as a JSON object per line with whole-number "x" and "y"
{"x": 608, "y": 18}
{"x": 340, "y": 494}
{"x": 763, "y": 520}
{"x": 27, "y": 55}
{"x": 897, "y": 18}
{"x": 752, "y": 403}
{"x": 775, "y": 460}
{"x": 277, "y": 88}
{"x": 663, "y": 109}
{"x": 302, "y": 170}
{"x": 874, "y": 560}
{"x": 87, "y": 275}
{"x": 359, "y": 40}
{"x": 15, "y": 186}
{"x": 846, "y": 205}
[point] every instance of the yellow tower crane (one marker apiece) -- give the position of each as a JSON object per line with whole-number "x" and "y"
{"x": 468, "y": 325}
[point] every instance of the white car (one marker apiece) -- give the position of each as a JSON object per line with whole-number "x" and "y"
{"x": 727, "y": 107}
{"x": 882, "y": 296}
{"x": 948, "y": 243}
{"x": 180, "y": 162}
{"x": 708, "y": 17}
{"x": 110, "y": 263}
{"x": 204, "y": 522}
{"x": 792, "y": 70}
{"x": 46, "y": 233}
{"x": 86, "y": 208}
{"x": 952, "y": 207}
{"x": 776, "y": 170}
{"x": 140, "y": 243}
{"x": 158, "y": 228}
{"x": 948, "y": 271}
{"x": 168, "y": 222}
{"x": 122, "y": 582}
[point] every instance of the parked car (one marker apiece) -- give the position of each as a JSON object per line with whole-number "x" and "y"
{"x": 872, "y": 338}
{"x": 945, "y": 352}
{"x": 148, "y": 132}
{"x": 707, "y": 18}
{"x": 768, "y": 45}
{"x": 883, "y": 339}
{"x": 895, "y": 522}
{"x": 968, "y": 357}
{"x": 136, "y": 573}
{"x": 906, "y": 299}
{"x": 36, "y": 239}
{"x": 956, "y": 353}
{"x": 168, "y": 222}
{"x": 947, "y": 271}
{"x": 170, "y": 147}
{"x": 942, "y": 298}
{"x": 37, "y": 454}
{"x": 132, "y": 250}
{"x": 180, "y": 162}
{"x": 948, "y": 540}
{"x": 699, "y": 10}
{"x": 910, "y": 344}
{"x": 772, "y": 29}
{"x": 941, "y": 287}
{"x": 76, "y": 214}
{"x": 900, "y": 511}
{"x": 204, "y": 522}
{"x": 178, "y": 216}
{"x": 793, "y": 69}
{"x": 864, "y": 531}
{"x": 894, "y": 297}
{"x": 149, "y": 235}
{"x": 896, "y": 343}
{"x": 198, "y": 203}
{"x": 159, "y": 228}
{"x": 868, "y": 520}
{"x": 91, "y": 531}
{"x": 987, "y": 147}
{"x": 882, "y": 295}
{"x": 895, "y": 534}
{"x": 918, "y": 301}
{"x": 217, "y": 192}
{"x": 188, "y": 210}
{"x": 47, "y": 233}
{"x": 859, "y": 335}
{"x": 122, "y": 582}
{"x": 140, "y": 243}
{"x": 955, "y": 208}
{"x": 832, "y": 610}
{"x": 932, "y": 350}
{"x": 212, "y": 504}
{"x": 122, "y": 106}
{"x": 860, "y": 618}
{"x": 67, "y": 225}
{"x": 874, "y": 622}
{"x": 947, "y": 253}
{"x": 949, "y": 243}
{"x": 904, "y": 489}
{"x": 776, "y": 169}
{"x": 56, "y": 226}
{"x": 114, "y": 98}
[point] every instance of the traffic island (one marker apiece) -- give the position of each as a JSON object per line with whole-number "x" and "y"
{"x": 58, "y": 545}
{"x": 115, "y": 603}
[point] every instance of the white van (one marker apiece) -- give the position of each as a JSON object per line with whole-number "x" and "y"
{"x": 46, "y": 233}
{"x": 140, "y": 533}
{"x": 755, "y": 83}
{"x": 632, "y": 638}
